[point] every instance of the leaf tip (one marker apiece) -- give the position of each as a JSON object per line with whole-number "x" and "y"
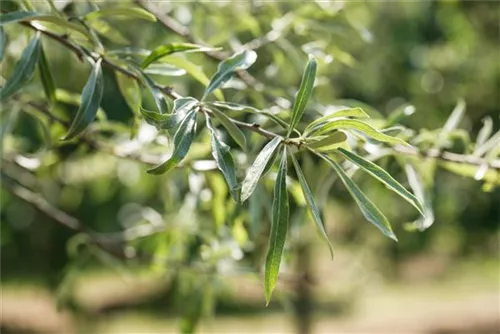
{"x": 391, "y": 235}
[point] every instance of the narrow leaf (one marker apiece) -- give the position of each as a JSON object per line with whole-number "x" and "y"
{"x": 354, "y": 124}
{"x": 369, "y": 210}
{"x": 244, "y": 108}
{"x": 130, "y": 90}
{"x": 182, "y": 107}
{"x": 351, "y": 112}
{"x": 240, "y": 61}
{"x": 195, "y": 71}
{"x": 305, "y": 90}
{"x": 23, "y": 70}
{"x": 279, "y": 229}
{"x": 165, "y": 50}
{"x": 233, "y": 130}
{"x": 255, "y": 171}
{"x": 484, "y": 133}
{"x": 182, "y": 142}
{"x": 225, "y": 162}
{"x": 337, "y": 137}
{"x": 108, "y": 31}
{"x": 135, "y": 12}
{"x": 46, "y": 76}
{"x": 423, "y": 193}
{"x": 311, "y": 203}
{"x": 91, "y": 98}
{"x": 161, "y": 102}
{"x": 164, "y": 70}
{"x": 13, "y": 17}
{"x": 384, "y": 177}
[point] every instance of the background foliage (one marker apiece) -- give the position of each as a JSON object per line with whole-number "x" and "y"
{"x": 180, "y": 239}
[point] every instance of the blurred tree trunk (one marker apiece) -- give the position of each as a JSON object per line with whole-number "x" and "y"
{"x": 303, "y": 302}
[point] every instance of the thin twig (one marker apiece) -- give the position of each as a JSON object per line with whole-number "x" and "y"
{"x": 447, "y": 156}
{"x": 81, "y": 54}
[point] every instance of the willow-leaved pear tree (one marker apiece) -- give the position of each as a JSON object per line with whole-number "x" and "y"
{"x": 207, "y": 136}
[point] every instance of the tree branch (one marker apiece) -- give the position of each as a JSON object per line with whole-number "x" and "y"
{"x": 446, "y": 156}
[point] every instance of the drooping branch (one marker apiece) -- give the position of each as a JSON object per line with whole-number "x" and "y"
{"x": 445, "y": 156}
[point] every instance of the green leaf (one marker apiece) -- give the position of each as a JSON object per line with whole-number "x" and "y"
{"x": 195, "y": 71}
{"x": 383, "y": 177}
{"x": 225, "y": 162}
{"x": 165, "y": 50}
{"x": 233, "y": 130}
{"x": 130, "y": 90}
{"x": 182, "y": 142}
{"x": 91, "y": 98}
{"x": 351, "y": 112}
{"x": 311, "y": 203}
{"x": 182, "y": 107}
{"x": 161, "y": 102}
{"x": 350, "y": 103}
{"x": 239, "y": 61}
{"x": 244, "y": 108}
{"x": 164, "y": 70}
{"x": 135, "y": 12}
{"x": 2, "y": 43}
{"x": 336, "y": 138}
{"x": 255, "y": 171}
{"x": 354, "y": 124}
{"x": 279, "y": 229}
{"x": 24, "y": 68}
{"x": 304, "y": 93}
{"x": 33, "y": 16}
{"x": 369, "y": 210}
{"x": 46, "y": 76}
{"x": 485, "y": 132}
{"x": 107, "y": 30}
{"x": 422, "y": 187}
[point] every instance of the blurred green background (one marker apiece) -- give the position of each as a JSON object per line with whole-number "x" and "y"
{"x": 385, "y": 54}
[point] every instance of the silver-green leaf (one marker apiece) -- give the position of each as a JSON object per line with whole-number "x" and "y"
{"x": 311, "y": 203}
{"x": 13, "y": 17}
{"x": 255, "y": 171}
{"x": 234, "y": 131}
{"x": 91, "y": 99}
{"x": 239, "y": 61}
{"x": 161, "y": 102}
{"x": 182, "y": 107}
{"x": 182, "y": 142}
{"x": 244, "y": 108}
{"x": 168, "y": 49}
{"x": 304, "y": 93}
{"x": 24, "y": 69}
{"x": 48, "y": 83}
{"x": 224, "y": 159}
{"x": 135, "y": 12}
{"x": 350, "y": 112}
{"x": 369, "y": 210}
{"x": 334, "y": 139}
{"x": 357, "y": 125}
{"x": 279, "y": 229}
{"x": 384, "y": 177}
{"x": 130, "y": 90}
